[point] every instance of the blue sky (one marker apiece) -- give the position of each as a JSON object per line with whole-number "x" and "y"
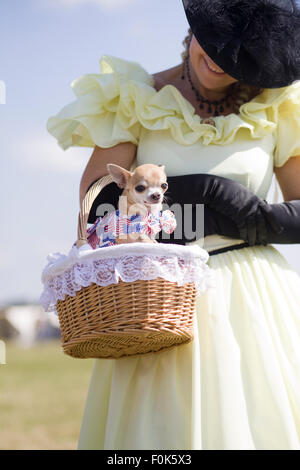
{"x": 44, "y": 45}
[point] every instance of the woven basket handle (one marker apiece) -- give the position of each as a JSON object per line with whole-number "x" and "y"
{"x": 86, "y": 207}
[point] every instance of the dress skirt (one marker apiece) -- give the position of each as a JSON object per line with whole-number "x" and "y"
{"x": 235, "y": 386}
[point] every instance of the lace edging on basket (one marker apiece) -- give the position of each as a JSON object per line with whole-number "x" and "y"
{"x": 127, "y": 268}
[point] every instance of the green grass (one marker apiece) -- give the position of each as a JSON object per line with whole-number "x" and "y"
{"x": 42, "y": 397}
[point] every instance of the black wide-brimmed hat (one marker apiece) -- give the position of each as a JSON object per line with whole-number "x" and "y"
{"x": 255, "y": 41}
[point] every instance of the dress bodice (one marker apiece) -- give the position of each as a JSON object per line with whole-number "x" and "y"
{"x": 241, "y": 160}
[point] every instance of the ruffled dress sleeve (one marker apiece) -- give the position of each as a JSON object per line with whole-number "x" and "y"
{"x": 107, "y": 106}
{"x": 288, "y": 125}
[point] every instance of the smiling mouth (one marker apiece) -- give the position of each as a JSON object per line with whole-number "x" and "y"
{"x": 212, "y": 69}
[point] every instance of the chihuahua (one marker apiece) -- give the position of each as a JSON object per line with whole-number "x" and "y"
{"x": 143, "y": 193}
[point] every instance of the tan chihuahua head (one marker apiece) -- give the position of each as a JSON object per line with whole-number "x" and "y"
{"x": 144, "y": 188}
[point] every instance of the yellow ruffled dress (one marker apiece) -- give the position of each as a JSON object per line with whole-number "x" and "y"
{"x": 237, "y": 385}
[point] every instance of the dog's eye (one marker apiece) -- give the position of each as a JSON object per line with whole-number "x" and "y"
{"x": 140, "y": 188}
{"x": 164, "y": 186}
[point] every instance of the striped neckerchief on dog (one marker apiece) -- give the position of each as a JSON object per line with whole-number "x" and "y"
{"x": 107, "y": 228}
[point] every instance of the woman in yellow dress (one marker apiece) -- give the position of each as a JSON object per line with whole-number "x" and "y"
{"x": 231, "y": 109}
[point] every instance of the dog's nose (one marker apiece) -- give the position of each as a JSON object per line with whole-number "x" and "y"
{"x": 155, "y": 196}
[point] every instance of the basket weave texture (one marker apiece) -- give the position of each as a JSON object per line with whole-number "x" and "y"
{"x": 127, "y": 318}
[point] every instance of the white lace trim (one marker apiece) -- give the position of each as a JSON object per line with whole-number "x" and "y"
{"x": 65, "y": 275}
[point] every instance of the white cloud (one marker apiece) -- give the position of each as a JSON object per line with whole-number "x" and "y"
{"x": 107, "y": 4}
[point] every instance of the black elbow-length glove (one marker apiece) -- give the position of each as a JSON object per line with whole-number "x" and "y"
{"x": 287, "y": 214}
{"x": 257, "y": 221}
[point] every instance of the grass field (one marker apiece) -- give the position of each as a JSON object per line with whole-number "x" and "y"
{"x": 42, "y": 397}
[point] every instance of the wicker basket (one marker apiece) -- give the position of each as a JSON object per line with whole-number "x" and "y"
{"x": 124, "y": 318}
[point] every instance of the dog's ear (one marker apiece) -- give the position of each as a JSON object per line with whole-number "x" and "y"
{"x": 119, "y": 174}
{"x": 162, "y": 167}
